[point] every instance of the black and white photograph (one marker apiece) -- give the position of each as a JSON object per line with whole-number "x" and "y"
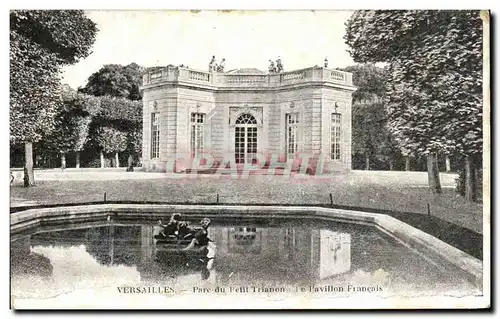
{"x": 249, "y": 159}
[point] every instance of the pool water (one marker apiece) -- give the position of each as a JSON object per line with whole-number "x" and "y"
{"x": 272, "y": 257}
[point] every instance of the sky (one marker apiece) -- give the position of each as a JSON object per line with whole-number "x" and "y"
{"x": 246, "y": 39}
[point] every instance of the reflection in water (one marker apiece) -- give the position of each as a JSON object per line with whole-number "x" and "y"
{"x": 73, "y": 268}
{"x": 244, "y": 240}
{"x": 146, "y": 243}
{"x": 295, "y": 255}
{"x": 175, "y": 262}
{"x": 301, "y": 253}
{"x": 335, "y": 253}
{"x": 27, "y": 262}
{"x": 115, "y": 245}
{"x": 291, "y": 252}
{"x": 168, "y": 260}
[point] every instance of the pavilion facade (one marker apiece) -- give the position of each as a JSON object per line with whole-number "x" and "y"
{"x": 244, "y": 115}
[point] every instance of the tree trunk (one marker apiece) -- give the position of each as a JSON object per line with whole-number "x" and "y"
{"x": 433, "y": 174}
{"x": 448, "y": 165}
{"x": 63, "y": 160}
{"x": 77, "y": 159}
{"x": 29, "y": 174}
{"x": 407, "y": 163}
{"x": 477, "y": 179}
{"x": 367, "y": 162}
{"x": 390, "y": 164}
{"x": 470, "y": 179}
{"x": 117, "y": 161}
{"x": 130, "y": 163}
{"x": 102, "y": 159}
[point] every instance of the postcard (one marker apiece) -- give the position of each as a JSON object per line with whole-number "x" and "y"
{"x": 239, "y": 159}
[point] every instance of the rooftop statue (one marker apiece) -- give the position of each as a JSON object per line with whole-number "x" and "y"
{"x": 272, "y": 68}
{"x": 212, "y": 66}
{"x": 279, "y": 65}
{"x": 220, "y": 67}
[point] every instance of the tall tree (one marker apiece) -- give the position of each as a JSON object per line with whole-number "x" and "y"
{"x": 72, "y": 124}
{"x": 371, "y": 137}
{"x": 41, "y": 42}
{"x": 134, "y": 146}
{"x": 116, "y": 80}
{"x": 112, "y": 141}
{"x": 368, "y": 125}
{"x": 118, "y": 88}
{"x": 370, "y": 81}
{"x": 388, "y": 147}
{"x": 122, "y": 115}
{"x": 435, "y": 78}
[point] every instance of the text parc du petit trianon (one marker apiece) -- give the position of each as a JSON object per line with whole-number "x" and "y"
{"x": 307, "y": 289}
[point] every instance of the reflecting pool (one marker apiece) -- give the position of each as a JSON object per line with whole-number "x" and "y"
{"x": 271, "y": 257}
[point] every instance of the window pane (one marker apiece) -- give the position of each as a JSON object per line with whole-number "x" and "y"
{"x": 291, "y": 134}
{"x": 245, "y": 139}
{"x": 197, "y": 133}
{"x": 155, "y": 135}
{"x": 335, "y": 136}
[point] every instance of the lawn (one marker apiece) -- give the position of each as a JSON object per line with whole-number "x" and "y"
{"x": 403, "y": 195}
{"x": 391, "y": 191}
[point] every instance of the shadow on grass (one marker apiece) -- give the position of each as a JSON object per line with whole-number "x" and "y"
{"x": 459, "y": 237}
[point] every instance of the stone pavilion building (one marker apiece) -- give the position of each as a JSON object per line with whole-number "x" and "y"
{"x": 239, "y": 114}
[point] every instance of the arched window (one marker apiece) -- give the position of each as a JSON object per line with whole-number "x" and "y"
{"x": 246, "y": 119}
{"x": 245, "y": 139}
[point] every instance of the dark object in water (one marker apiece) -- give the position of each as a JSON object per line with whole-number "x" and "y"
{"x": 168, "y": 252}
{"x": 174, "y": 242}
{"x": 175, "y": 256}
{"x": 178, "y": 245}
{"x": 163, "y": 237}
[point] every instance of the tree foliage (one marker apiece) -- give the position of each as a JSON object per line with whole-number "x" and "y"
{"x": 116, "y": 80}
{"x": 72, "y": 122}
{"x": 71, "y": 133}
{"x": 79, "y": 103}
{"x": 135, "y": 141}
{"x": 118, "y": 113}
{"x": 41, "y": 41}
{"x": 68, "y": 34}
{"x": 118, "y": 90}
{"x": 370, "y": 134}
{"x": 370, "y": 81}
{"x": 120, "y": 120}
{"x": 34, "y": 90}
{"x": 121, "y": 110}
{"x": 111, "y": 140}
{"x": 368, "y": 128}
{"x": 434, "y": 98}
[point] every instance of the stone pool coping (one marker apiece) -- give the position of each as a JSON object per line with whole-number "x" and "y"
{"x": 410, "y": 236}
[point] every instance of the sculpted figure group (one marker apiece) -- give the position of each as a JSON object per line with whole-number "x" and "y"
{"x": 214, "y": 67}
{"x": 276, "y": 68}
